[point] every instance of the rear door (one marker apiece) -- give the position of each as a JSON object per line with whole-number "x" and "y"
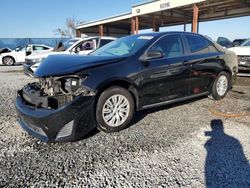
{"x": 204, "y": 59}
{"x": 166, "y": 78}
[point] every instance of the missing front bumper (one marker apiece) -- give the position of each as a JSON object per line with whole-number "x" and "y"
{"x": 68, "y": 123}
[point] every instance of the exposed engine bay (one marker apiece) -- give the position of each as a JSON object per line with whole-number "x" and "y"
{"x": 53, "y": 93}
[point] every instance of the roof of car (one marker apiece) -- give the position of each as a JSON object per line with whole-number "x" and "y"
{"x": 93, "y": 37}
{"x": 103, "y": 37}
{"x": 166, "y": 32}
{"x": 38, "y": 45}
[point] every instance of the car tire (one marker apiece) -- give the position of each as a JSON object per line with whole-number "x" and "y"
{"x": 115, "y": 109}
{"x": 8, "y": 60}
{"x": 220, "y": 86}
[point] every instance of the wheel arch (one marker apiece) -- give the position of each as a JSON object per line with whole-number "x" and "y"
{"x": 10, "y": 57}
{"x": 124, "y": 83}
{"x": 225, "y": 68}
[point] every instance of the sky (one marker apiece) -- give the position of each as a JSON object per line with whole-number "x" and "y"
{"x": 39, "y": 18}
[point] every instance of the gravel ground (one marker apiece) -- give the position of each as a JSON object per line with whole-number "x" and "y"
{"x": 181, "y": 145}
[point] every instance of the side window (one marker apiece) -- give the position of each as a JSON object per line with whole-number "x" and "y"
{"x": 104, "y": 42}
{"x": 38, "y": 48}
{"x": 197, "y": 44}
{"x": 45, "y": 48}
{"x": 86, "y": 45}
{"x": 170, "y": 45}
{"x": 211, "y": 48}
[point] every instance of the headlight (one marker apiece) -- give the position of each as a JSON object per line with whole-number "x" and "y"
{"x": 38, "y": 60}
{"x": 75, "y": 85}
{"x": 71, "y": 85}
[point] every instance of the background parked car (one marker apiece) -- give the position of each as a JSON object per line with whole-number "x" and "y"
{"x": 243, "y": 53}
{"x": 19, "y": 55}
{"x": 225, "y": 42}
{"x": 82, "y": 46}
{"x": 238, "y": 42}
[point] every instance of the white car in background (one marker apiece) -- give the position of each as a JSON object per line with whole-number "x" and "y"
{"x": 82, "y": 46}
{"x": 19, "y": 55}
{"x": 243, "y": 53}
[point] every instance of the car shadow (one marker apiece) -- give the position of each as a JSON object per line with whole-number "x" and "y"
{"x": 139, "y": 115}
{"x": 15, "y": 65}
{"x": 225, "y": 165}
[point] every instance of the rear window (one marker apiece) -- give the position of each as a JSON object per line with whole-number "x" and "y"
{"x": 38, "y": 48}
{"x": 197, "y": 44}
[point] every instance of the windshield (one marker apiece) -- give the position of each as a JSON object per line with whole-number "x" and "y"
{"x": 246, "y": 43}
{"x": 64, "y": 46}
{"x": 22, "y": 48}
{"x": 123, "y": 46}
{"x": 69, "y": 43}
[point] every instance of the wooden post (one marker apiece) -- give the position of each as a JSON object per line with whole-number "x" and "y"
{"x": 133, "y": 25}
{"x": 155, "y": 25}
{"x": 136, "y": 24}
{"x": 107, "y": 27}
{"x": 185, "y": 25}
{"x": 195, "y": 19}
{"x": 101, "y": 30}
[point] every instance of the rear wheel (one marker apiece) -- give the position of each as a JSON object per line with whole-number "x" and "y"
{"x": 8, "y": 60}
{"x": 220, "y": 86}
{"x": 115, "y": 109}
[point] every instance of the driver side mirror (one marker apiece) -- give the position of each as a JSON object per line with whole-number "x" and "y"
{"x": 152, "y": 54}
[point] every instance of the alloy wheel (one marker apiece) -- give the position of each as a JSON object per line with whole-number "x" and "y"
{"x": 116, "y": 110}
{"x": 8, "y": 61}
{"x": 222, "y": 85}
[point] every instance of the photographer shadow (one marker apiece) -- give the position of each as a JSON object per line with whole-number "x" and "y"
{"x": 226, "y": 164}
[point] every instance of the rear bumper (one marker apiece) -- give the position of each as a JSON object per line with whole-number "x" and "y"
{"x": 68, "y": 123}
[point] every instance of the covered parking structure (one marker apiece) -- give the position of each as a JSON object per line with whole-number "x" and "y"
{"x": 161, "y": 13}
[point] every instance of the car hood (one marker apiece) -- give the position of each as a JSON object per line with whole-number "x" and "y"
{"x": 58, "y": 65}
{"x": 241, "y": 50}
{"x": 12, "y": 53}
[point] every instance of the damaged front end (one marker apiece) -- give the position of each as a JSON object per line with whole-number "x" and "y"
{"x": 53, "y": 93}
{"x": 56, "y": 108}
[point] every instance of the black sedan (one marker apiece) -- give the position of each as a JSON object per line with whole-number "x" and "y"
{"x": 76, "y": 94}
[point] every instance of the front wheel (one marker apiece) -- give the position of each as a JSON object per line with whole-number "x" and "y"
{"x": 220, "y": 86}
{"x": 115, "y": 109}
{"x": 8, "y": 60}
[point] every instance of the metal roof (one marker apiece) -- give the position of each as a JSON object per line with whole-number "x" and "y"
{"x": 170, "y": 12}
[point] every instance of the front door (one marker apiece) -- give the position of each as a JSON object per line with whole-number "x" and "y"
{"x": 166, "y": 78}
